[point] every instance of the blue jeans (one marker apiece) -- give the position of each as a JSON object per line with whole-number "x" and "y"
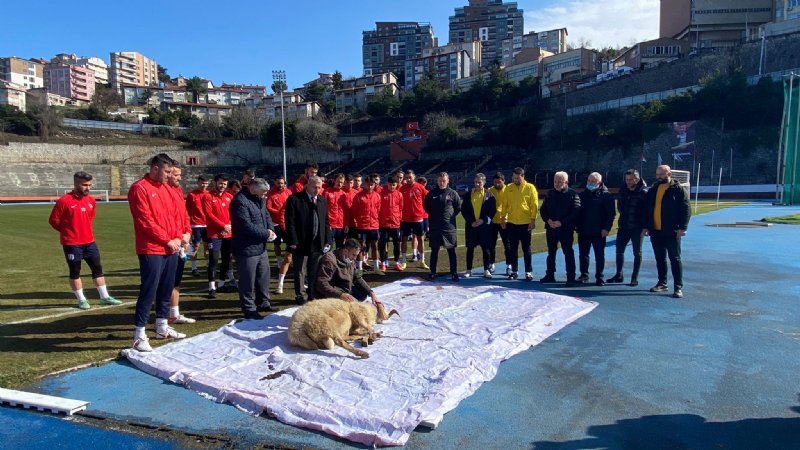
{"x": 157, "y": 274}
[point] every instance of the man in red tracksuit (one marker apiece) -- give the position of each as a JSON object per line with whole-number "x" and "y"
{"x": 390, "y": 216}
{"x": 413, "y": 214}
{"x": 197, "y": 219}
{"x": 355, "y": 188}
{"x": 309, "y": 171}
{"x": 158, "y": 228}
{"x": 276, "y": 206}
{"x": 338, "y": 209}
{"x": 72, "y": 217}
{"x": 174, "y": 182}
{"x": 365, "y": 210}
{"x": 218, "y": 227}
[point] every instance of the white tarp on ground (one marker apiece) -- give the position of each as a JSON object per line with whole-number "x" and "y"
{"x": 448, "y": 340}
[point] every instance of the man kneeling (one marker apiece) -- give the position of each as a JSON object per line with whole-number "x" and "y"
{"x": 337, "y": 278}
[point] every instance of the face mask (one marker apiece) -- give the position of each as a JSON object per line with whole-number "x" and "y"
{"x": 347, "y": 260}
{"x": 564, "y": 189}
{"x": 591, "y": 187}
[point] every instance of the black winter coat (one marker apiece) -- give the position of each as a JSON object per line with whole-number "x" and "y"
{"x": 442, "y": 206}
{"x": 480, "y": 235}
{"x": 675, "y": 208}
{"x": 564, "y": 207}
{"x": 250, "y": 222}
{"x": 631, "y": 207}
{"x": 300, "y": 221}
{"x": 597, "y": 211}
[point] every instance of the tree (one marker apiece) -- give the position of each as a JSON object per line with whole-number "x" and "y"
{"x": 384, "y": 104}
{"x": 105, "y": 98}
{"x": 271, "y": 134}
{"x": 47, "y": 118}
{"x": 315, "y": 134}
{"x": 197, "y": 86}
{"x": 337, "y": 80}
{"x": 315, "y": 93}
{"x": 278, "y": 86}
{"x": 243, "y": 123}
{"x": 163, "y": 76}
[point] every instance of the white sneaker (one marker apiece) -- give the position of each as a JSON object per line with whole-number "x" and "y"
{"x": 491, "y": 269}
{"x": 279, "y": 289}
{"x": 169, "y": 333}
{"x": 487, "y": 274}
{"x": 180, "y": 320}
{"x": 467, "y": 274}
{"x": 142, "y": 345}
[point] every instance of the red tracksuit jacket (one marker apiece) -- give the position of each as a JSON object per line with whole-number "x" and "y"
{"x": 391, "y": 209}
{"x": 72, "y": 217}
{"x": 365, "y": 210}
{"x": 157, "y": 216}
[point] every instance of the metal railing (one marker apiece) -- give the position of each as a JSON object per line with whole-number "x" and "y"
{"x": 143, "y": 128}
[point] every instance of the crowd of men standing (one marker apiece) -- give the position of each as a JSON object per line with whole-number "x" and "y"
{"x": 360, "y": 217}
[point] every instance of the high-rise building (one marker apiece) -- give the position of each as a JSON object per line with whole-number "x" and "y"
{"x": 386, "y": 48}
{"x": 488, "y": 21}
{"x": 787, "y": 10}
{"x": 132, "y": 68}
{"x": 96, "y": 65}
{"x": 446, "y": 64}
{"x": 714, "y": 23}
{"x": 22, "y": 72}
{"x": 70, "y": 81}
{"x": 552, "y": 41}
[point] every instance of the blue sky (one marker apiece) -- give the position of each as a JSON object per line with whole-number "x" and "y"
{"x": 243, "y": 41}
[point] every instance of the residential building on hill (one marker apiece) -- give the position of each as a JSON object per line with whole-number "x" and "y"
{"x": 714, "y": 23}
{"x": 488, "y": 21}
{"x": 132, "y": 68}
{"x": 70, "y": 81}
{"x": 562, "y": 72}
{"x": 358, "y": 92}
{"x": 650, "y": 53}
{"x": 390, "y": 44}
{"x": 13, "y": 94}
{"x": 447, "y": 64}
{"x": 25, "y": 73}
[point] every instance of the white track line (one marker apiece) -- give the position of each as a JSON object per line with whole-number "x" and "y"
{"x": 69, "y": 312}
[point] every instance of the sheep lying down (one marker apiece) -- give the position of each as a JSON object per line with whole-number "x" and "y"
{"x": 322, "y": 324}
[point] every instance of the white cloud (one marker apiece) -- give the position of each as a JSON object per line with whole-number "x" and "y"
{"x": 614, "y": 23}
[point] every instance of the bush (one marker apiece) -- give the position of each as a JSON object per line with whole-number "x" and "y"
{"x": 15, "y": 121}
{"x": 315, "y": 134}
{"x": 271, "y": 134}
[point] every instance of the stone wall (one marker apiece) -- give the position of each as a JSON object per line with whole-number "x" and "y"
{"x": 40, "y": 169}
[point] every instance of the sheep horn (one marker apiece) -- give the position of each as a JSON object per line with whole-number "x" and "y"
{"x": 393, "y": 313}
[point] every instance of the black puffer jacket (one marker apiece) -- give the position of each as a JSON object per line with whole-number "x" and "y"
{"x": 632, "y": 208}
{"x": 675, "y": 208}
{"x": 442, "y": 206}
{"x": 251, "y": 223}
{"x": 564, "y": 207}
{"x": 597, "y": 211}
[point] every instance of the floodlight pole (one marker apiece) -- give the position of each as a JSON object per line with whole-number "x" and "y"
{"x": 279, "y": 78}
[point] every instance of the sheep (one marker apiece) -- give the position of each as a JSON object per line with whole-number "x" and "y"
{"x": 321, "y": 324}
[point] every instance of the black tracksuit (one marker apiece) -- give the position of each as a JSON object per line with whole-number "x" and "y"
{"x": 565, "y": 207}
{"x": 632, "y": 219}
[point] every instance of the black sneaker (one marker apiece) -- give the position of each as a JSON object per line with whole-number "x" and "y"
{"x": 267, "y": 308}
{"x": 195, "y": 273}
{"x": 634, "y": 282}
{"x": 513, "y": 275}
{"x": 583, "y": 279}
{"x": 228, "y": 288}
{"x": 454, "y": 277}
{"x": 616, "y": 279}
{"x": 571, "y": 283}
{"x": 599, "y": 282}
{"x": 548, "y": 279}
{"x": 678, "y": 293}
{"x": 659, "y": 288}
{"x": 431, "y": 277}
{"x": 212, "y": 294}
{"x": 252, "y": 315}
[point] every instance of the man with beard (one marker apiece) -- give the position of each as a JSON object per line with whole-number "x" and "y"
{"x": 632, "y": 217}
{"x": 520, "y": 207}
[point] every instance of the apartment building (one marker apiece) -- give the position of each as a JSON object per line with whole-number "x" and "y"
{"x": 23, "y": 72}
{"x": 252, "y": 90}
{"x": 714, "y": 23}
{"x": 70, "y": 81}
{"x": 42, "y": 96}
{"x": 650, "y": 53}
{"x": 390, "y": 44}
{"x": 97, "y": 65}
{"x": 358, "y": 92}
{"x": 563, "y": 71}
{"x": 787, "y": 10}
{"x": 132, "y": 68}
{"x": 13, "y": 94}
{"x": 294, "y": 107}
{"x": 447, "y": 64}
{"x": 488, "y": 21}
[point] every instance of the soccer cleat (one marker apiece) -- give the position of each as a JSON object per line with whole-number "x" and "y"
{"x": 83, "y": 304}
{"x": 399, "y": 267}
{"x": 110, "y": 301}
{"x": 379, "y": 272}
{"x": 142, "y": 345}
{"x": 487, "y": 274}
{"x": 528, "y": 276}
{"x": 195, "y": 273}
{"x": 181, "y": 319}
{"x": 423, "y": 265}
{"x": 212, "y": 294}
{"x": 382, "y": 267}
{"x": 169, "y": 333}
{"x": 279, "y": 289}
{"x": 659, "y": 288}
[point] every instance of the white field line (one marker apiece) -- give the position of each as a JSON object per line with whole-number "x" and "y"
{"x": 69, "y": 312}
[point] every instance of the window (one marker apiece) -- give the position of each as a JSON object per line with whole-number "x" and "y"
{"x": 191, "y": 160}
{"x": 483, "y": 33}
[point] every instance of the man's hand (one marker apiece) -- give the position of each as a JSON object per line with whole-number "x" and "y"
{"x": 645, "y": 232}
{"x": 185, "y": 238}
{"x": 374, "y": 297}
{"x": 503, "y": 223}
{"x": 477, "y": 223}
{"x": 681, "y": 233}
{"x": 227, "y": 228}
{"x": 604, "y": 233}
{"x": 532, "y": 225}
{"x": 271, "y": 235}
{"x": 347, "y": 297}
{"x": 174, "y": 245}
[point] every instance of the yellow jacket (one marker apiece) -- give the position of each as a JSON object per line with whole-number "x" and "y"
{"x": 520, "y": 203}
{"x": 499, "y": 195}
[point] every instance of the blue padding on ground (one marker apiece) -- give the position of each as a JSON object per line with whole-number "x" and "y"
{"x": 717, "y": 369}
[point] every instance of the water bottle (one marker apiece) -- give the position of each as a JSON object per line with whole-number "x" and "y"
{"x": 182, "y": 254}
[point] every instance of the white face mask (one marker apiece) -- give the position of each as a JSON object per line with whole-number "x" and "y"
{"x": 347, "y": 260}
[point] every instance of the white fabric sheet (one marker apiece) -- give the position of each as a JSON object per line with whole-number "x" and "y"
{"x": 448, "y": 340}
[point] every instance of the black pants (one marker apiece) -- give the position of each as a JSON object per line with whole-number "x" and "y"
{"x": 386, "y": 235}
{"x": 219, "y": 249}
{"x": 667, "y": 244}
{"x": 305, "y": 272}
{"x": 564, "y": 237}
{"x": 596, "y": 243}
{"x": 634, "y": 236}
{"x": 451, "y": 255}
{"x": 519, "y": 234}
{"x": 471, "y": 256}
{"x": 498, "y": 230}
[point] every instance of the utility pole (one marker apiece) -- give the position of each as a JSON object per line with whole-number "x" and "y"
{"x": 279, "y": 80}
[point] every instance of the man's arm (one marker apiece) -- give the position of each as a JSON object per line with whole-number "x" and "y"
{"x": 147, "y": 224}
{"x": 322, "y": 284}
{"x": 55, "y": 215}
